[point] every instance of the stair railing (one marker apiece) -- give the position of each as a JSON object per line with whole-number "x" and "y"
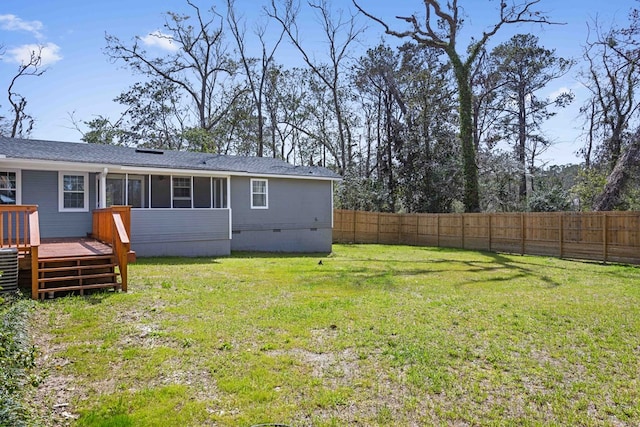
{"x": 112, "y": 225}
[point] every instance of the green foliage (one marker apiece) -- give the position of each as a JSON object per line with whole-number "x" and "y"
{"x": 589, "y": 184}
{"x": 17, "y": 361}
{"x": 552, "y": 199}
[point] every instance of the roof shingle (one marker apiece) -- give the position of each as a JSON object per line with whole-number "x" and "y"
{"x": 32, "y": 149}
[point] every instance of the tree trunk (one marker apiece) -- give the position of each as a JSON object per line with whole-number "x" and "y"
{"x": 522, "y": 142}
{"x": 616, "y": 181}
{"x": 465, "y": 106}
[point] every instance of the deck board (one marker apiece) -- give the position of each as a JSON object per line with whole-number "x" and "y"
{"x": 58, "y": 248}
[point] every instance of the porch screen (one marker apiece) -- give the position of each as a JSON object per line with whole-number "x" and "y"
{"x": 8, "y": 188}
{"x": 126, "y": 190}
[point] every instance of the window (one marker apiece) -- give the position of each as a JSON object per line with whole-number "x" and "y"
{"x": 259, "y": 194}
{"x": 73, "y": 194}
{"x": 219, "y": 192}
{"x": 115, "y": 190}
{"x": 134, "y": 194}
{"x": 8, "y": 188}
{"x": 181, "y": 192}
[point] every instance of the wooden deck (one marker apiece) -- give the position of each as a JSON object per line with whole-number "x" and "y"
{"x": 72, "y": 247}
{"x": 69, "y": 264}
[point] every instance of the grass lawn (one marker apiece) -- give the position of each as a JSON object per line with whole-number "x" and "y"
{"x": 376, "y": 335}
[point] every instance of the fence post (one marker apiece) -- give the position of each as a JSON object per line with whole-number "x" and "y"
{"x": 490, "y": 232}
{"x": 561, "y": 236}
{"x": 438, "y": 230}
{"x": 522, "y": 234}
{"x": 462, "y": 227}
{"x": 605, "y": 237}
{"x": 354, "y": 226}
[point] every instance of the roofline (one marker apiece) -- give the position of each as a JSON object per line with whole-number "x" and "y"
{"x": 56, "y": 165}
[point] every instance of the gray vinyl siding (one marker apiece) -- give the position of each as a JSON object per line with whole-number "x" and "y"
{"x": 41, "y": 188}
{"x": 180, "y": 232}
{"x": 298, "y": 218}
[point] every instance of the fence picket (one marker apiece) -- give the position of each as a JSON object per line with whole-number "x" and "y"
{"x": 599, "y": 236}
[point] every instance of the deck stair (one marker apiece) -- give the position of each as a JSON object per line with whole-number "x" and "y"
{"x": 76, "y": 274}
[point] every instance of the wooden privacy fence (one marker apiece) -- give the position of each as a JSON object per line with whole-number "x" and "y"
{"x": 600, "y": 236}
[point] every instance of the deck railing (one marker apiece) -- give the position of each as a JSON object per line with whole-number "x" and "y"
{"x": 20, "y": 229}
{"x": 113, "y": 226}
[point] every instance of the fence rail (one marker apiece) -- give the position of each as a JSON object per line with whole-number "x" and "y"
{"x": 600, "y": 236}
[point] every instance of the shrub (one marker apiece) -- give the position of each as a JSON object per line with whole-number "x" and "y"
{"x": 17, "y": 360}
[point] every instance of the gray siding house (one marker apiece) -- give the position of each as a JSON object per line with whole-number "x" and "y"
{"x": 182, "y": 203}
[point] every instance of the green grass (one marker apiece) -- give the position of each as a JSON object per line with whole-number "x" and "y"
{"x": 377, "y": 335}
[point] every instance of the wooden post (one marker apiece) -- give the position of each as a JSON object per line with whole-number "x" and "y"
{"x": 462, "y": 229}
{"x": 34, "y": 272}
{"x": 438, "y": 230}
{"x": 354, "y": 226}
{"x": 522, "y": 234}
{"x": 561, "y": 232}
{"x": 490, "y": 233}
{"x": 605, "y": 238}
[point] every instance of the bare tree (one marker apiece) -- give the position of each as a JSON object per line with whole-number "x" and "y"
{"x": 200, "y": 66}
{"x": 340, "y": 32}
{"x": 20, "y": 123}
{"x": 439, "y": 30}
{"x": 612, "y": 79}
{"x": 613, "y": 111}
{"x": 619, "y": 177}
{"x": 256, "y": 69}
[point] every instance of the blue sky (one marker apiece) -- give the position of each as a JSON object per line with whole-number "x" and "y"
{"x": 81, "y": 80}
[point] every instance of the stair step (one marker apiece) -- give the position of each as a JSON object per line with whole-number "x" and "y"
{"x": 87, "y": 276}
{"x": 80, "y": 287}
{"x": 75, "y": 267}
{"x": 76, "y": 258}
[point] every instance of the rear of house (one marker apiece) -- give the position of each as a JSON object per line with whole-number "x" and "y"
{"x": 182, "y": 203}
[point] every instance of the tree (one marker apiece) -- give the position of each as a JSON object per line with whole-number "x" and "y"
{"x": 256, "y": 69}
{"x": 375, "y": 77}
{"x": 19, "y": 124}
{"x": 523, "y": 69}
{"x": 613, "y": 142}
{"x": 199, "y": 66}
{"x": 621, "y": 174}
{"x": 439, "y": 30}
{"x": 611, "y": 78}
{"x": 340, "y": 32}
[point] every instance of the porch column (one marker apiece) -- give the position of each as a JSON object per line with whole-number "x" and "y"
{"x": 103, "y": 188}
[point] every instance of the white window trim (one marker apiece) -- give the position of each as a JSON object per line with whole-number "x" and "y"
{"x": 61, "y": 207}
{"x": 266, "y": 188}
{"x": 18, "y": 173}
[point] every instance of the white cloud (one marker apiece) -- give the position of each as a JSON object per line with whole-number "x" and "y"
{"x": 13, "y": 23}
{"x": 160, "y": 40}
{"x": 49, "y": 53}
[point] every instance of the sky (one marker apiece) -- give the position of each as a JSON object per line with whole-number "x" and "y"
{"x": 81, "y": 82}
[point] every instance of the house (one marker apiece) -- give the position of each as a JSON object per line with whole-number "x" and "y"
{"x": 182, "y": 203}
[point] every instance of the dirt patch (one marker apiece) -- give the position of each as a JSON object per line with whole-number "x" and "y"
{"x": 54, "y": 397}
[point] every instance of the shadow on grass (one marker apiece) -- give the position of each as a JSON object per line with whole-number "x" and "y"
{"x": 492, "y": 262}
{"x": 174, "y": 260}
{"x": 513, "y": 266}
